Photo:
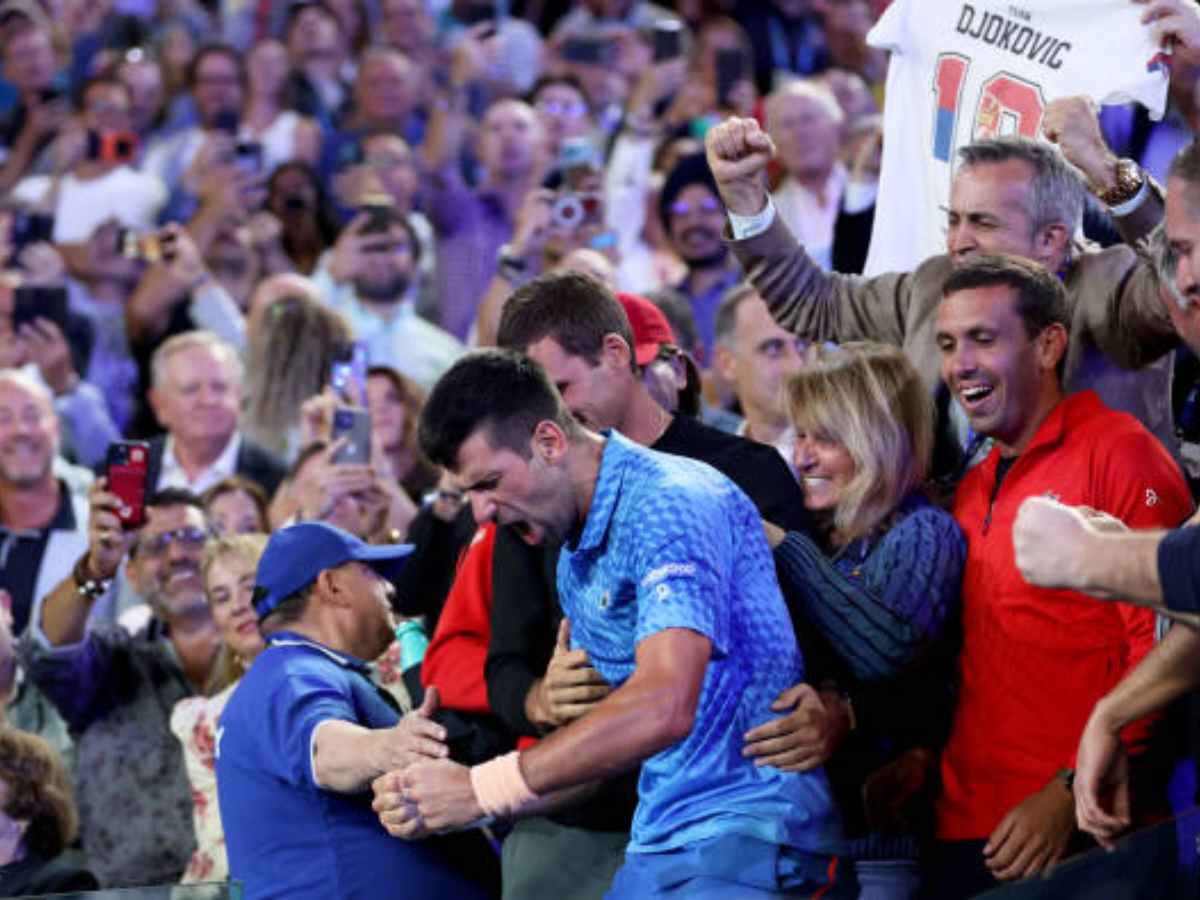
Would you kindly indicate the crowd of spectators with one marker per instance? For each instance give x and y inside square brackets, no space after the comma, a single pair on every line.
[247,239]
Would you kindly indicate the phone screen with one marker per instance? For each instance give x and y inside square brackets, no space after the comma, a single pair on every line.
[354,424]
[30,302]
[348,374]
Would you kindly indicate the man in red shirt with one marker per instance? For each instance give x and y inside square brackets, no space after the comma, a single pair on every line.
[1034,661]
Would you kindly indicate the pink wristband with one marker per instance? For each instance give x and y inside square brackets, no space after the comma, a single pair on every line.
[500,787]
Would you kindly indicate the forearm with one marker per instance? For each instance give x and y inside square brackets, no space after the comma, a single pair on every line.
[632,723]
[444,136]
[348,757]
[1122,566]
[1166,673]
[65,614]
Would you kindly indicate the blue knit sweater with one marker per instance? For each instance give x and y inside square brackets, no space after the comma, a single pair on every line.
[886,597]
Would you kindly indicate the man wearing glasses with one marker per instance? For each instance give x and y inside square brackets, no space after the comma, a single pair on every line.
[693,217]
[116,690]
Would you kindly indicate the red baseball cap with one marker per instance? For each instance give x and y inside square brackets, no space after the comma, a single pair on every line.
[650,327]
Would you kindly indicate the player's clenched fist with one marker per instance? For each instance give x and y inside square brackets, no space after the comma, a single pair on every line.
[738,151]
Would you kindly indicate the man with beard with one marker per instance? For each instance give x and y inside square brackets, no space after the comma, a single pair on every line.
[691,212]
[370,280]
[41,517]
[116,690]
[307,731]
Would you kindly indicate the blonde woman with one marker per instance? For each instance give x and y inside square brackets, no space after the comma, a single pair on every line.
[880,582]
[293,341]
[228,571]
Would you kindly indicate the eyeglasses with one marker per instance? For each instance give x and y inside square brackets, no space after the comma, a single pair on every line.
[707,205]
[455,498]
[190,537]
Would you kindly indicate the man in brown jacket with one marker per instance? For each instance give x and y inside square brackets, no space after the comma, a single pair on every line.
[1010,195]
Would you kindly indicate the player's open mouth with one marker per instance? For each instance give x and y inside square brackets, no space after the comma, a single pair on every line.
[530,534]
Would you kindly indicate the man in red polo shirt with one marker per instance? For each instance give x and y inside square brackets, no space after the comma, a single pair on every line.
[1034,661]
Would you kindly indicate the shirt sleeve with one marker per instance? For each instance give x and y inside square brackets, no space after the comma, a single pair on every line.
[301,702]
[682,578]
[1179,569]
[890,609]
[891,31]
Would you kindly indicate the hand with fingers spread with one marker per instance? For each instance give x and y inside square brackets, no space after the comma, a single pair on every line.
[1033,835]
[738,151]
[803,738]
[569,688]
[1101,781]
[417,737]
[324,483]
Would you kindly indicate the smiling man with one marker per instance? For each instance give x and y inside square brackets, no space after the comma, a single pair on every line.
[669,586]
[116,690]
[1006,809]
[1010,195]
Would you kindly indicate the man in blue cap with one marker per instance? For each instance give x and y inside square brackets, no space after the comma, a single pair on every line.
[306,731]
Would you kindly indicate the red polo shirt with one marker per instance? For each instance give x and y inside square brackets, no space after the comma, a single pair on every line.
[1035,661]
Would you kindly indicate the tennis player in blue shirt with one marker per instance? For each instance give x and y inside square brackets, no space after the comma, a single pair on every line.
[669,585]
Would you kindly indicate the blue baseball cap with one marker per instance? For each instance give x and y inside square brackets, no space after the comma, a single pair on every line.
[296,555]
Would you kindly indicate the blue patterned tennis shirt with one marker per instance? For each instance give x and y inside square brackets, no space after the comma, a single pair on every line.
[672,543]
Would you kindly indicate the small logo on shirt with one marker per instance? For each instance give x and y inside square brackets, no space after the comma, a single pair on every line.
[662,592]
[1151,497]
[667,571]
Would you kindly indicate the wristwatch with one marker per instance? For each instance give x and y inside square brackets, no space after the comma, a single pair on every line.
[86,587]
[1128,180]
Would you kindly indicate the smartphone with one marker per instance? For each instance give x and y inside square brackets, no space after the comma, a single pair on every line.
[30,302]
[127,469]
[30,228]
[379,216]
[248,157]
[348,374]
[354,424]
[112,146]
[668,40]
[590,51]
[731,68]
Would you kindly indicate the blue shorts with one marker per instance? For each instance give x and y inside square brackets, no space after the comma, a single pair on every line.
[734,866]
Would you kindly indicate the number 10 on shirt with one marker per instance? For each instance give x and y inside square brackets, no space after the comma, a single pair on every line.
[1007,104]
